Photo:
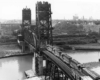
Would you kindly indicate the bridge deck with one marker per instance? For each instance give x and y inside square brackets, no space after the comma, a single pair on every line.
[61,64]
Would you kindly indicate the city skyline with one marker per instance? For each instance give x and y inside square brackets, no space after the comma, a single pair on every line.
[61,9]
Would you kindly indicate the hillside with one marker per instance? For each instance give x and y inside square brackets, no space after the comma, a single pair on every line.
[65,27]
[68,28]
[91,27]
[8,29]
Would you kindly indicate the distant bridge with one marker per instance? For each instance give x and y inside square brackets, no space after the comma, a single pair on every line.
[38,38]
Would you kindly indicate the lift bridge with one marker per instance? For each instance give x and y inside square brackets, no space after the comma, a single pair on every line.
[38,38]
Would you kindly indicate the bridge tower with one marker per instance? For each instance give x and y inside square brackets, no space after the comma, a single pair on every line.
[26,16]
[43,31]
[44,23]
[26,23]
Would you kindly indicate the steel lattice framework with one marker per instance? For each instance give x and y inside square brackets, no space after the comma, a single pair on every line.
[43,23]
[26,16]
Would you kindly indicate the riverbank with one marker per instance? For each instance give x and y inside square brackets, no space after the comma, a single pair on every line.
[92,46]
[82,47]
[9,50]
[94,67]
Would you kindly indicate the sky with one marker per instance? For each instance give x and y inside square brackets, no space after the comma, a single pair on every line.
[61,9]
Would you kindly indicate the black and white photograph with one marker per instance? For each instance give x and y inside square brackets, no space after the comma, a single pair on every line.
[49,39]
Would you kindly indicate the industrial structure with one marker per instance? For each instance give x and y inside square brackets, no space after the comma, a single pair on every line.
[58,66]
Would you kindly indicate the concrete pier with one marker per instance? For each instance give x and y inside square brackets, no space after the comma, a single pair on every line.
[39,65]
[23,46]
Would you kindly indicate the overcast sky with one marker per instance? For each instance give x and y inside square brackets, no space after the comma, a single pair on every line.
[12,9]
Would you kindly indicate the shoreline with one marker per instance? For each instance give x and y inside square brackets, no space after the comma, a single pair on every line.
[11,50]
[82,47]
[7,55]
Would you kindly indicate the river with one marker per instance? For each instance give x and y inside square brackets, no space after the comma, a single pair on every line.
[13,68]
[84,56]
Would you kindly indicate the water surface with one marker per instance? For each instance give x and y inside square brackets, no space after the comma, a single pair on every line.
[13,68]
[84,56]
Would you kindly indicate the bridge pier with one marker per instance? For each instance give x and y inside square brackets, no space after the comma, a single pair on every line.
[23,46]
[39,64]
[33,67]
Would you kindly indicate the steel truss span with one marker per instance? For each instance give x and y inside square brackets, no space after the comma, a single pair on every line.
[57,64]
[57,69]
